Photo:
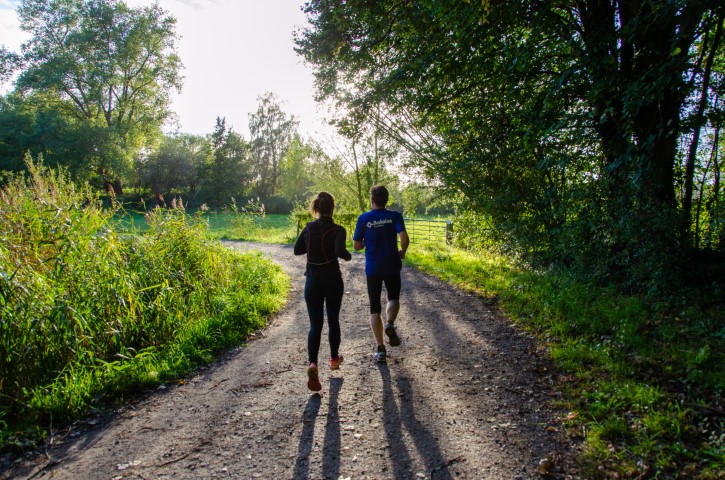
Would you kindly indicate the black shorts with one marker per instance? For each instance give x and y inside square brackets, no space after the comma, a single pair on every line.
[375,289]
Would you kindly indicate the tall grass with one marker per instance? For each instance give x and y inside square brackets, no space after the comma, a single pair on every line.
[88,314]
[644,386]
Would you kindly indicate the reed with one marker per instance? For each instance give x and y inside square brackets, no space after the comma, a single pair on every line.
[90,314]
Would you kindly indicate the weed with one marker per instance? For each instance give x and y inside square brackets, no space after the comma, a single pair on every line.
[648,382]
[90,314]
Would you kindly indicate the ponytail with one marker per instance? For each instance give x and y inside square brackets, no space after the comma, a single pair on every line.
[323,204]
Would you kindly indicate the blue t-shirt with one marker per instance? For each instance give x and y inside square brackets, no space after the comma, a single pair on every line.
[378,230]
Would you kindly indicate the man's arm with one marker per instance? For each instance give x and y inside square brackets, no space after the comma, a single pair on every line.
[358,245]
[404,242]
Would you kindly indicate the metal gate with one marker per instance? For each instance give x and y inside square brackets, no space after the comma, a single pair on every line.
[434,230]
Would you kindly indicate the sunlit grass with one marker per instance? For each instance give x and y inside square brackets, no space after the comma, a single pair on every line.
[91,314]
[642,384]
[226,225]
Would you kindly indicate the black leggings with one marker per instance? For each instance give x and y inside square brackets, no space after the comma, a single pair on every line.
[323,290]
[375,289]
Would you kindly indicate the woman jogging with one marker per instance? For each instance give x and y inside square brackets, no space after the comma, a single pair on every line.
[324,242]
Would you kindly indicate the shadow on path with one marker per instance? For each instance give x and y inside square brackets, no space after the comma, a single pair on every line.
[331,449]
[395,417]
[309,417]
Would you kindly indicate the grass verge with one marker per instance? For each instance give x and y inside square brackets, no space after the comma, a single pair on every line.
[644,386]
[90,315]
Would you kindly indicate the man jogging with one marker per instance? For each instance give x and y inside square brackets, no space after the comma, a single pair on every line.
[377,232]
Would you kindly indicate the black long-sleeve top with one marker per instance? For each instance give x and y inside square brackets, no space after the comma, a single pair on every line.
[324,242]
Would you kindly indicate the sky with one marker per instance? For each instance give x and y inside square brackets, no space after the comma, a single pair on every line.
[233,51]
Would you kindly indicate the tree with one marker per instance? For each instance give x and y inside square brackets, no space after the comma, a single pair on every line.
[108,67]
[560,122]
[229,170]
[176,166]
[272,130]
[30,124]
[369,157]
[297,170]
[349,175]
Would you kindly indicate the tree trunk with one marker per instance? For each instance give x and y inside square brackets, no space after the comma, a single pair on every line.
[698,121]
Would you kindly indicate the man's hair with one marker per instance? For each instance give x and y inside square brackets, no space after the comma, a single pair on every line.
[379,195]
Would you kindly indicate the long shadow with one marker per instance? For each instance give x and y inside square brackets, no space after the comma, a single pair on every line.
[509,379]
[331,448]
[399,456]
[425,442]
[302,464]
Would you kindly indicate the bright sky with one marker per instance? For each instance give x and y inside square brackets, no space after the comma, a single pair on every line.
[233,51]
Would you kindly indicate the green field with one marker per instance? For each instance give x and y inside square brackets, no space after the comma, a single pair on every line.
[274,228]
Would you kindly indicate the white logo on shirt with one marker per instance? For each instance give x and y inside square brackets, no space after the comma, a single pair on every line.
[379,223]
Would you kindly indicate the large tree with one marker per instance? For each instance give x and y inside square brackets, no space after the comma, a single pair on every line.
[176,166]
[107,67]
[272,130]
[559,121]
[229,168]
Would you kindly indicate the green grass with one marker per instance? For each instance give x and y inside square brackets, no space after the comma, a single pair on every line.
[96,304]
[227,225]
[91,314]
[644,386]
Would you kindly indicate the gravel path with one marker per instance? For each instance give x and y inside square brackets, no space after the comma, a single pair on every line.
[466,395]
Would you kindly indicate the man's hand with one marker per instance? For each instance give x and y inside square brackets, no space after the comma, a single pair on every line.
[404,242]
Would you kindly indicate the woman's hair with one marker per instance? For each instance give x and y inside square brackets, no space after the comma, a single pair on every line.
[323,204]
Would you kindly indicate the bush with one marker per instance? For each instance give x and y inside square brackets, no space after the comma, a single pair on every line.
[88,313]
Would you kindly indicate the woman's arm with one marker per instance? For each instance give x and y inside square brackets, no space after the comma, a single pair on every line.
[300,244]
[340,247]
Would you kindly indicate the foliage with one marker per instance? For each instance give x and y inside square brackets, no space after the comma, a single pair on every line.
[105,69]
[419,199]
[297,169]
[272,131]
[33,124]
[642,386]
[89,314]
[349,176]
[176,166]
[228,173]
[558,122]
[301,215]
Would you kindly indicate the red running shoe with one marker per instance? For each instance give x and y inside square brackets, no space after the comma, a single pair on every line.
[313,378]
[335,362]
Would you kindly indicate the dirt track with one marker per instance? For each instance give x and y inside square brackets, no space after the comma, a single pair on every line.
[466,395]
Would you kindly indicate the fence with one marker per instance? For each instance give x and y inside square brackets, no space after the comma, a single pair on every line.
[436,230]
[418,229]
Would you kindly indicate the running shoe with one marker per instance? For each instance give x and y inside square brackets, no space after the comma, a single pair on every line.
[335,362]
[313,378]
[393,337]
[381,356]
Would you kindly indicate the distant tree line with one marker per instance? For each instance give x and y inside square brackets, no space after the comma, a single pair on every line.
[91,94]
